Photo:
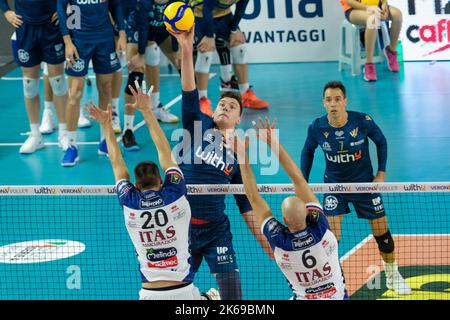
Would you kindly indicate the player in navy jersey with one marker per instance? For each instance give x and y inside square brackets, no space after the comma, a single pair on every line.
[38,39]
[88,35]
[218,29]
[206,160]
[306,250]
[156,213]
[344,138]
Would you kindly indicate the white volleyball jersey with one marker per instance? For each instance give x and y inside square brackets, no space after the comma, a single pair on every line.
[308,259]
[158,225]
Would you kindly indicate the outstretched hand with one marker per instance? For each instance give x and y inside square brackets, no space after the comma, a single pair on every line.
[266,130]
[141,96]
[239,147]
[103,117]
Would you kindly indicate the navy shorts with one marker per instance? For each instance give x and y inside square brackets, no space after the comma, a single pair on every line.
[367,206]
[103,55]
[160,34]
[214,243]
[37,43]
[347,14]
[222,29]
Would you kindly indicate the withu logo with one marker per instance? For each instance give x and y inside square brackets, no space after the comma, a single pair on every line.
[81,2]
[306,9]
[344,158]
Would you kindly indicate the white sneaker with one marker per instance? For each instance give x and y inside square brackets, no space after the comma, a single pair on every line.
[32,144]
[83,122]
[116,123]
[395,281]
[164,116]
[47,125]
[212,294]
[63,141]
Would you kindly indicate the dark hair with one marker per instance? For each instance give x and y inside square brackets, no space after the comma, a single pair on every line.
[147,175]
[334,85]
[233,95]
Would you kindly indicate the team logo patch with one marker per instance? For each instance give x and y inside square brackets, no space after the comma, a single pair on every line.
[326,134]
[354,132]
[331,203]
[79,65]
[175,178]
[339,133]
[23,55]
[368,118]
[326,146]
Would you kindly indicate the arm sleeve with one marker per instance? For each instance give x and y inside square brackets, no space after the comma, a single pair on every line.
[190,111]
[241,199]
[4,5]
[115,7]
[207,22]
[376,135]
[174,182]
[62,16]
[142,13]
[307,156]
[238,14]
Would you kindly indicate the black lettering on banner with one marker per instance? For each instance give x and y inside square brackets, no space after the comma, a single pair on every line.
[308,261]
[157,216]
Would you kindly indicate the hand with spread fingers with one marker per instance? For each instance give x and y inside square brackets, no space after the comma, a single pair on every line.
[103,117]
[141,96]
[266,130]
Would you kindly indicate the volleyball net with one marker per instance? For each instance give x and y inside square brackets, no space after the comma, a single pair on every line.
[70,242]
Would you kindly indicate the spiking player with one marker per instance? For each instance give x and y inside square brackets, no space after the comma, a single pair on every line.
[156,214]
[38,39]
[217,28]
[206,160]
[344,138]
[89,35]
[306,250]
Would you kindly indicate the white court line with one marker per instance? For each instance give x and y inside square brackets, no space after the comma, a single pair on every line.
[355,248]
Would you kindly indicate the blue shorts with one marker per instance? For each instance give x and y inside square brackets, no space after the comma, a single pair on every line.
[37,43]
[103,55]
[347,14]
[160,34]
[214,243]
[367,206]
[222,29]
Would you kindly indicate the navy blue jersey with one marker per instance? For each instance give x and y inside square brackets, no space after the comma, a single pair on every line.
[94,21]
[206,161]
[346,149]
[32,11]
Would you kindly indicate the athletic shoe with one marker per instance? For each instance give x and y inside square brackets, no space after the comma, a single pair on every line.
[395,281]
[47,125]
[116,123]
[205,106]
[392,60]
[32,144]
[212,294]
[164,115]
[370,73]
[231,85]
[63,141]
[70,157]
[83,122]
[250,100]
[103,148]
[129,141]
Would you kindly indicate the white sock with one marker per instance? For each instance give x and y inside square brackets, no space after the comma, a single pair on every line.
[243,87]
[115,105]
[49,105]
[390,268]
[203,93]
[62,128]
[72,137]
[226,72]
[35,129]
[155,99]
[129,122]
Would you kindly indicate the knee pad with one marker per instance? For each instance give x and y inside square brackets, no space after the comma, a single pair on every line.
[30,87]
[239,54]
[152,55]
[385,243]
[203,63]
[59,85]
[132,77]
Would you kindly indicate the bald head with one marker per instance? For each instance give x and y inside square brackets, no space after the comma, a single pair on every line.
[294,213]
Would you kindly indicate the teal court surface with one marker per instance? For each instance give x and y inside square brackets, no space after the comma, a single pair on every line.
[411,108]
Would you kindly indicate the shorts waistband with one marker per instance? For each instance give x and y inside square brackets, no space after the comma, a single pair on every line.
[178,286]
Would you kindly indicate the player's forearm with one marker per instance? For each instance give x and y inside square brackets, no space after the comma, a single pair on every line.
[207,22]
[159,138]
[61,8]
[115,8]
[238,14]
[115,156]
[254,225]
[187,69]
[142,25]
[259,205]
[4,6]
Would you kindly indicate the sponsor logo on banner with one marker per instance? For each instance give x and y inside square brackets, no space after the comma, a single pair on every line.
[194,189]
[39,251]
[44,190]
[414,187]
[340,187]
[4,190]
[436,188]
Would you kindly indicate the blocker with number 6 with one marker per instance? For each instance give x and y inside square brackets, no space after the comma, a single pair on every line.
[178,17]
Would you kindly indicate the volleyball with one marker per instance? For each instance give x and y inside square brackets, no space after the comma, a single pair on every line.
[178,17]
[372,2]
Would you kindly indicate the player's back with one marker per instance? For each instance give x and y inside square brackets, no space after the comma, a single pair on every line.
[308,259]
[158,225]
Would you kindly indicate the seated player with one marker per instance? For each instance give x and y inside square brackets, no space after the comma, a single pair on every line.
[359,13]
[157,213]
[306,250]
